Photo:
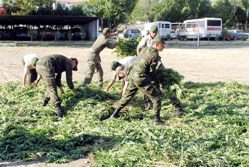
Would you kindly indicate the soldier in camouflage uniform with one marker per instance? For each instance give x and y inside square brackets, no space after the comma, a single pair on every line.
[50,68]
[141,77]
[94,57]
[147,41]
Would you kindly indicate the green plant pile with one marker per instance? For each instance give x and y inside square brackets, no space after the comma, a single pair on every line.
[127,47]
[170,82]
[213,132]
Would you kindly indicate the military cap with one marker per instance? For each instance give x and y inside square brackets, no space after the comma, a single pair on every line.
[154,29]
[76,61]
[159,40]
[114,65]
[34,60]
[106,31]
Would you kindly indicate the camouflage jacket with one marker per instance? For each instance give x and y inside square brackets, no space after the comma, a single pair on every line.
[58,64]
[98,46]
[144,69]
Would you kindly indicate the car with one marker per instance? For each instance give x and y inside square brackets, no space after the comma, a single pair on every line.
[77,33]
[130,33]
[230,37]
[21,33]
[47,34]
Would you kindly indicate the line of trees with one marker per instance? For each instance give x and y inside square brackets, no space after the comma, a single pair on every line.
[234,13]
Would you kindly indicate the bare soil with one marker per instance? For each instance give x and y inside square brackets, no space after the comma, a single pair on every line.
[196,64]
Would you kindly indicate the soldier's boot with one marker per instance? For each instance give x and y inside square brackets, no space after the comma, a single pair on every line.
[157,119]
[45,101]
[60,111]
[177,104]
[116,113]
[86,81]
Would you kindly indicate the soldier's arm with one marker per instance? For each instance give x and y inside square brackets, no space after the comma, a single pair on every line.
[69,76]
[113,80]
[58,80]
[25,74]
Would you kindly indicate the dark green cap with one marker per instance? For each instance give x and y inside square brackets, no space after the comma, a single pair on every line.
[34,60]
[159,39]
[114,65]
[154,29]
[106,31]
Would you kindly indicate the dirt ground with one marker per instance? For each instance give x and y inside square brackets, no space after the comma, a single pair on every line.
[202,64]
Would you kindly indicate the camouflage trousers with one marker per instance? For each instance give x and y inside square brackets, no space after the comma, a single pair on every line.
[147,88]
[92,66]
[48,75]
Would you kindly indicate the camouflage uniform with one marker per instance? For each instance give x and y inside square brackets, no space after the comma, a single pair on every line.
[141,77]
[94,59]
[48,67]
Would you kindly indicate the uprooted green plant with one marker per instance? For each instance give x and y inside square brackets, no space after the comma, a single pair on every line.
[213,131]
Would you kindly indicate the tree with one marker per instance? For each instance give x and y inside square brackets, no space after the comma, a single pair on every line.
[197,8]
[245,5]
[77,10]
[222,9]
[115,11]
[25,7]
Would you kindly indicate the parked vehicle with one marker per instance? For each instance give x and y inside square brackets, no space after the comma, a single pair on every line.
[203,28]
[21,33]
[164,28]
[230,37]
[78,33]
[47,34]
[130,33]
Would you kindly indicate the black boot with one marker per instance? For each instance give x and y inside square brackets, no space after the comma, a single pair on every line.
[157,120]
[177,104]
[60,111]
[45,101]
[116,113]
[179,111]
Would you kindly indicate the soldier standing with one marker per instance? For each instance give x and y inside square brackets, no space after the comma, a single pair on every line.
[141,77]
[94,57]
[50,68]
[147,41]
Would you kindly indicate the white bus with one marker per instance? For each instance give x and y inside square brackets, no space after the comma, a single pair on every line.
[203,28]
[164,28]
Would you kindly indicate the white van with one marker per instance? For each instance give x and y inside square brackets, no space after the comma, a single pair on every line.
[164,28]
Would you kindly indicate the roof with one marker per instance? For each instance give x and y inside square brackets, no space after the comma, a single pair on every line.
[46,20]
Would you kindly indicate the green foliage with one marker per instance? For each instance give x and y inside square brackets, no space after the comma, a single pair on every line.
[215,125]
[224,33]
[69,35]
[33,34]
[57,35]
[127,46]
[171,82]
[213,131]
[114,11]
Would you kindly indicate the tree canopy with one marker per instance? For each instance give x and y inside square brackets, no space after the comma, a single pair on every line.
[232,12]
